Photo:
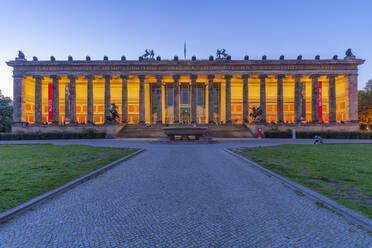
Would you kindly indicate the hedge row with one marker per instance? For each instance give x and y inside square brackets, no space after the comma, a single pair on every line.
[85,134]
[324,134]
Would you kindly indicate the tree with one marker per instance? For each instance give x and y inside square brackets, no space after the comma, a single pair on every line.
[365,104]
[6,113]
[368,87]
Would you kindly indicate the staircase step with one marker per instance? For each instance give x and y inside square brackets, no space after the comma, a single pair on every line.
[156,131]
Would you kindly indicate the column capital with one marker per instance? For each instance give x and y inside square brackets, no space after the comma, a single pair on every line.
[315,76]
[298,76]
[89,76]
[123,76]
[141,77]
[246,76]
[176,77]
[38,77]
[351,74]
[280,76]
[210,76]
[107,76]
[193,77]
[263,76]
[54,77]
[228,76]
[332,75]
[71,77]
[159,77]
[17,76]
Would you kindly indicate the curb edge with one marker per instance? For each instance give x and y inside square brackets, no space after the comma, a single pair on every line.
[65,187]
[349,214]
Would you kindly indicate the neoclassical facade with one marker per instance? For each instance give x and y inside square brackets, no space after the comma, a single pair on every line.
[213,91]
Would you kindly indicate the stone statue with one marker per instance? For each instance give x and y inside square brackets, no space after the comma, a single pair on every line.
[113,114]
[149,54]
[21,55]
[221,54]
[318,140]
[349,53]
[257,114]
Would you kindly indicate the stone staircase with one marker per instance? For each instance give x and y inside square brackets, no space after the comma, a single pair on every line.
[140,131]
[216,131]
[230,131]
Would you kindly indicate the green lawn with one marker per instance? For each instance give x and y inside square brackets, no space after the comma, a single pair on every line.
[27,171]
[342,172]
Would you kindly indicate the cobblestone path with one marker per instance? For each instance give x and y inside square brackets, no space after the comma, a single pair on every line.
[181,196]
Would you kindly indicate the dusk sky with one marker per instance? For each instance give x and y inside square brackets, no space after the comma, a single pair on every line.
[116,28]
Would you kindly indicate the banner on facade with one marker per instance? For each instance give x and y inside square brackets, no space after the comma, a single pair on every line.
[50,102]
[320,107]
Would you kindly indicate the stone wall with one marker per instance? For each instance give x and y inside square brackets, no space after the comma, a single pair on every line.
[110,129]
[347,126]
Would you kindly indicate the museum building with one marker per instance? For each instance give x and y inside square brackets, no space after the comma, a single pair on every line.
[195,91]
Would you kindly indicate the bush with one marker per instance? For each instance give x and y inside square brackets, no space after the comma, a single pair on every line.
[324,134]
[85,134]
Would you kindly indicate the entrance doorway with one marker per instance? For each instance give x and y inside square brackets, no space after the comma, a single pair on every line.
[185,104]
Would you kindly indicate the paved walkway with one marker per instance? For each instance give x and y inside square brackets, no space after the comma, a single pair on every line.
[181,196]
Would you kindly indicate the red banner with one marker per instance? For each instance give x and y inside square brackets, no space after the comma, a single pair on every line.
[320,107]
[50,102]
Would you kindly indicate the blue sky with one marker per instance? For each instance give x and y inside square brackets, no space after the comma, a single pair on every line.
[116,28]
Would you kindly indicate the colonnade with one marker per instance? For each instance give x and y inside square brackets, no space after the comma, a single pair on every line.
[299,97]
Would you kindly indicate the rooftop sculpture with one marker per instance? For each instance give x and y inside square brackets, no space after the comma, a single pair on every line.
[149,54]
[221,54]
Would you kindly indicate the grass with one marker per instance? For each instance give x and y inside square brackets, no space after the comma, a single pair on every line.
[27,171]
[342,172]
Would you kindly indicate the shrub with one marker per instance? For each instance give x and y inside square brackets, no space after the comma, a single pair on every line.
[324,134]
[85,134]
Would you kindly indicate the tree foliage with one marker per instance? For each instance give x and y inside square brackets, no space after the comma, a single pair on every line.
[365,104]
[6,112]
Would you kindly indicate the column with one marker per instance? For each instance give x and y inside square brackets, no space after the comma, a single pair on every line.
[72,99]
[17,98]
[280,98]
[245,98]
[90,98]
[210,99]
[263,95]
[124,99]
[332,98]
[298,98]
[38,103]
[159,116]
[353,97]
[303,101]
[67,102]
[228,98]
[193,98]
[55,99]
[314,101]
[142,99]
[107,95]
[176,99]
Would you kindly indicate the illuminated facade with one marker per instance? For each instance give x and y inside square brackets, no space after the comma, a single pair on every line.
[185,91]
